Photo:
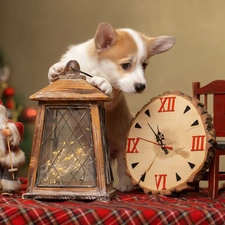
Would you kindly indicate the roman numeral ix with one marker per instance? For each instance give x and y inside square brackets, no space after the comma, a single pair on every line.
[132,145]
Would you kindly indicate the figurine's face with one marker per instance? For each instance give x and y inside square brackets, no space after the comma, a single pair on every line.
[3,117]
[4,74]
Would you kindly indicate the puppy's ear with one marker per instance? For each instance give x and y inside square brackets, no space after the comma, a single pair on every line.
[160,44]
[105,36]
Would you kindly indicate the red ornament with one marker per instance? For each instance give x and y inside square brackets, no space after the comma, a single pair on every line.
[10,104]
[9,91]
[29,114]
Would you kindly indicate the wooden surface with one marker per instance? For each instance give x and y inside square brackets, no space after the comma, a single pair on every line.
[70,89]
[214,87]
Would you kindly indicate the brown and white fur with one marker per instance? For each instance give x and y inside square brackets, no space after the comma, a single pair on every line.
[117,60]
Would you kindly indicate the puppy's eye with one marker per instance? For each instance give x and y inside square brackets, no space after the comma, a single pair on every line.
[126,66]
[144,65]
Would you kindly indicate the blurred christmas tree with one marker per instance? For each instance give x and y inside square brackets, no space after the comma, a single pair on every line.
[16,110]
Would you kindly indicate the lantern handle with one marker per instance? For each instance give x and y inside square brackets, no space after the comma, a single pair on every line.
[73,67]
[81,72]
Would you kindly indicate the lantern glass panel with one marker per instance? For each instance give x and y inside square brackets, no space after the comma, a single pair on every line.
[66,155]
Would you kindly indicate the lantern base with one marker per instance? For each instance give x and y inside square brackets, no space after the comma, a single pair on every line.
[71,196]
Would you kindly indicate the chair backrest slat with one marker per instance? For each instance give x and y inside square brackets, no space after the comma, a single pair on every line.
[217,90]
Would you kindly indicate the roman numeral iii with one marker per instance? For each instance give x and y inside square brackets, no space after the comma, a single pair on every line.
[198,143]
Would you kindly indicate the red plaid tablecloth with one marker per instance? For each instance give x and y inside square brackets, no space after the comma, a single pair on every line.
[125,208]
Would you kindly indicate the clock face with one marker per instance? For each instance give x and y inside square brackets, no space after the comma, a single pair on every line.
[167,144]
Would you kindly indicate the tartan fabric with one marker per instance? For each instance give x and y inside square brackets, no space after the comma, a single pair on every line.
[125,208]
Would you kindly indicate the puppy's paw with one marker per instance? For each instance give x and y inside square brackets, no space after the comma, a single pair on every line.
[102,84]
[125,188]
[54,71]
[125,184]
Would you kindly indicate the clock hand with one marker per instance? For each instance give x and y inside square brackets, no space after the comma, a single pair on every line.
[144,174]
[161,135]
[156,143]
[159,138]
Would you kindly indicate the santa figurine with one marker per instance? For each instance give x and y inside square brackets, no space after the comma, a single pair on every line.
[11,156]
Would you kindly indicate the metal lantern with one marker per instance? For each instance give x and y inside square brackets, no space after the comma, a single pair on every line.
[70,156]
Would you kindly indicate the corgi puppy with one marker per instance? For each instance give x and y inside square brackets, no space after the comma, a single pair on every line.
[117,59]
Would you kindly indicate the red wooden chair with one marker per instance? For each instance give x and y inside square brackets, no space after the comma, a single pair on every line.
[217,90]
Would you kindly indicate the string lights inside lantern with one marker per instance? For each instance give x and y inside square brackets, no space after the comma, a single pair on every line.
[70,155]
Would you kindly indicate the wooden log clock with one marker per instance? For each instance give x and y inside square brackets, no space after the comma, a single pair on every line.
[169,144]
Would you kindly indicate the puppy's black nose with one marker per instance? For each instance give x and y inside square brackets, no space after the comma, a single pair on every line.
[139,87]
